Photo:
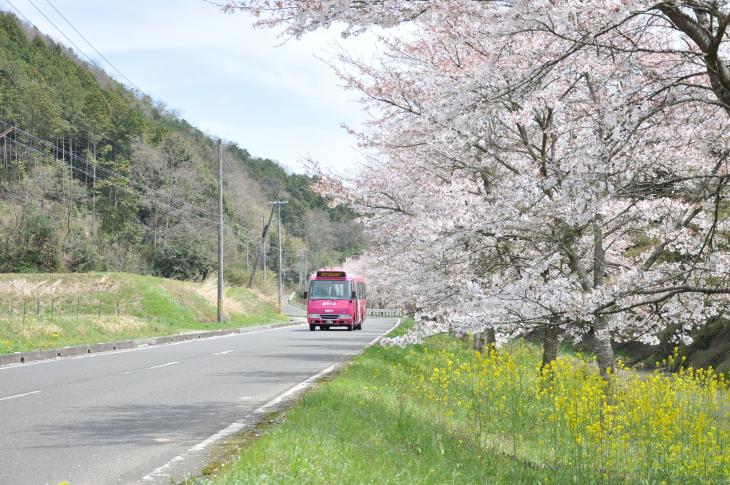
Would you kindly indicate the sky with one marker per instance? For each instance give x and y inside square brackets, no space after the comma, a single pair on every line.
[274,97]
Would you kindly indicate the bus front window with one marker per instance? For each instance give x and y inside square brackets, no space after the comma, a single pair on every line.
[330,290]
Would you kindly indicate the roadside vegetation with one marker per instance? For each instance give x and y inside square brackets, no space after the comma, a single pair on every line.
[442,413]
[96,177]
[39,311]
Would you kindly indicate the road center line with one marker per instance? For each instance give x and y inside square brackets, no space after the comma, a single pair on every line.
[145,348]
[152,367]
[223,353]
[163,474]
[19,395]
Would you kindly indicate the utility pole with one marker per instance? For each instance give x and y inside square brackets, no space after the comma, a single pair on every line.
[278,204]
[220,232]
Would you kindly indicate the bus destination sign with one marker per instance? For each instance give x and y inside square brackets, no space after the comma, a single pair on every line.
[330,274]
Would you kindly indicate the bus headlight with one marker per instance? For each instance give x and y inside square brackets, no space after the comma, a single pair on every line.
[313,315]
[345,315]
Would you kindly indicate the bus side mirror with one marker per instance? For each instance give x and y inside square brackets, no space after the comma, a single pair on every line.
[354,295]
[306,294]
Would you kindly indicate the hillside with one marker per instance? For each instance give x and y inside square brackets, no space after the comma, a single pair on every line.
[95,177]
[54,310]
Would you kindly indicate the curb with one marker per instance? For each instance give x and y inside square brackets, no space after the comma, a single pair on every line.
[17,358]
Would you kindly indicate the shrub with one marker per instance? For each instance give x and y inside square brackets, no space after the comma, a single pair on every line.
[81,252]
[236,276]
[182,260]
[34,244]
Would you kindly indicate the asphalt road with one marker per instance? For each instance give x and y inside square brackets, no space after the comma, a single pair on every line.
[117,417]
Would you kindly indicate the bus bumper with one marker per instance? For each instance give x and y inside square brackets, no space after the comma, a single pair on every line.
[338,321]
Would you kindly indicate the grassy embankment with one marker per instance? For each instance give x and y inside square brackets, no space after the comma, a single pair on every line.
[439,413]
[40,311]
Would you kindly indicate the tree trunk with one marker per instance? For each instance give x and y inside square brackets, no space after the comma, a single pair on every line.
[154,229]
[602,331]
[252,275]
[479,342]
[93,192]
[70,178]
[553,337]
[490,339]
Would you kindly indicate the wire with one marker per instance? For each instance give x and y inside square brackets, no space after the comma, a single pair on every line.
[73,157]
[149,198]
[59,31]
[79,159]
[93,47]
[140,93]
[22,15]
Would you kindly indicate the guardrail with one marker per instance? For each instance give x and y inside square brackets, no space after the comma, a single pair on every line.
[385,312]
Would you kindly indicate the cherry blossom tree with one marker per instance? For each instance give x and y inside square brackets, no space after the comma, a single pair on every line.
[540,165]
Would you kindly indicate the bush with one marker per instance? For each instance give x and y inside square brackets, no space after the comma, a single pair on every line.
[34,245]
[236,276]
[81,253]
[183,260]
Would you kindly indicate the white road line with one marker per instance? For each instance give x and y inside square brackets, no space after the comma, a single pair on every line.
[138,349]
[377,339]
[152,367]
[163,474]
[223,353]
[19,395]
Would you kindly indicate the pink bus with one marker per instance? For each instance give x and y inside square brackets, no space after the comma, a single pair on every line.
[336,298]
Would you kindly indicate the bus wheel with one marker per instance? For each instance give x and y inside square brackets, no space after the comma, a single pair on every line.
[312,327]
[350,328]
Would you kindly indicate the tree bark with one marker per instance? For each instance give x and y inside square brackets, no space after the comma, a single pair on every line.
[708,42]
[551,343]
[490,339]
[601,327]
[479,341]
[93,193]
[252,275]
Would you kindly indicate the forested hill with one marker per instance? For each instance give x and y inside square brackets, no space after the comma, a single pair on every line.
[97,177]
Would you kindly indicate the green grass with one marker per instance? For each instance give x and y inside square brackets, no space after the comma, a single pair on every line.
[355,428]
[441,413]
[39,311]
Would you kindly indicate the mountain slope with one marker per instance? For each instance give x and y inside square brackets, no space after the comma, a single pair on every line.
[97,177]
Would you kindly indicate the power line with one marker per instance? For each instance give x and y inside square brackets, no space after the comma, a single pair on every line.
[111,173]
[22,15]
[147,197]
[93,47]
[80,51]
[59,31]
[89,59]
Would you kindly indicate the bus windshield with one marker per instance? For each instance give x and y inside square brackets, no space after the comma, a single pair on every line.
[330,290]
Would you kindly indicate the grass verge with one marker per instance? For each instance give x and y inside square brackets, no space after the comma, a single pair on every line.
[440,413]
[40,311]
